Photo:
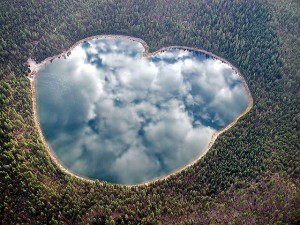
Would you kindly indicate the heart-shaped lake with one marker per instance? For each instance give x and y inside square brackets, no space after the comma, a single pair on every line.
[111,113]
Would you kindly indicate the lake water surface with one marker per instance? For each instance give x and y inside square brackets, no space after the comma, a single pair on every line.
[111,114]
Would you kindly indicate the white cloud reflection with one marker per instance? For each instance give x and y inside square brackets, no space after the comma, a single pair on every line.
[112,115]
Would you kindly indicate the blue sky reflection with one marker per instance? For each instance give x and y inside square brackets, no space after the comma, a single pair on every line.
[111,114]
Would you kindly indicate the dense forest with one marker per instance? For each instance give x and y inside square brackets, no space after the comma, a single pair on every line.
[251,174]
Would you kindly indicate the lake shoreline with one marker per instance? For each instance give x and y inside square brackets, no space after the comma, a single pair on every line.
[34,68]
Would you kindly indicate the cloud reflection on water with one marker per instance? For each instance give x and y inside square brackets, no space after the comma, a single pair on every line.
[110,114]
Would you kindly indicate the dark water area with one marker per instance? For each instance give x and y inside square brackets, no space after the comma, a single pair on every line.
[110,114]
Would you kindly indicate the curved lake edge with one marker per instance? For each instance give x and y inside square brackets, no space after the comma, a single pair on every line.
[34,68]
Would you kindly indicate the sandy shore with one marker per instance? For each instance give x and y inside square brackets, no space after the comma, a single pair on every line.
[34,68]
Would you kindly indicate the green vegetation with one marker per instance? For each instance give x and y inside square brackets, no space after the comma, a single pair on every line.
[250,176]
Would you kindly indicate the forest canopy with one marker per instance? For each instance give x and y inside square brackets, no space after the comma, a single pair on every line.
[251,174]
